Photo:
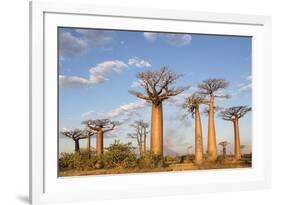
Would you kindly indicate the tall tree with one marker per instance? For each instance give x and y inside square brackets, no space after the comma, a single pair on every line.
[157,89]
[140,135]
[233,114]
[224,144]
[192,104]
[88,133]
[75,135]
[211,88]
[100,126]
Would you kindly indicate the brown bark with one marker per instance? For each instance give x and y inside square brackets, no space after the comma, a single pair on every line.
[156,144]
[198,137]
[236,139]
[224,151]
[144,140]
[89,146]
[212,144]
[77,146]
[99,142]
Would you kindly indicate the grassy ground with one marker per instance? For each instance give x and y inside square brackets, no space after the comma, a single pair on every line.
[172,166]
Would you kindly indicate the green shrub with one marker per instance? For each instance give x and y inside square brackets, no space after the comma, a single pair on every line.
[70,161]
[119,155]
[150,160]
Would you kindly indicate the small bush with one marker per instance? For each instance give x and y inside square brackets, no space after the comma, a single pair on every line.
[70,161]
[119,155]
[150,160]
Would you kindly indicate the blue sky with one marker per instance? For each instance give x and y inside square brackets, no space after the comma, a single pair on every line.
[98,67]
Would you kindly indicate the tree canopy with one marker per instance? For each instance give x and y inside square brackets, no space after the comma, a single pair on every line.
[74,134]
[104,124]
[212,86]
[232,113]
[157,85]
[192,102]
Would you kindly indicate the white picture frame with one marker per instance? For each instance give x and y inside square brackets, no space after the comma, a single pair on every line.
[46,187]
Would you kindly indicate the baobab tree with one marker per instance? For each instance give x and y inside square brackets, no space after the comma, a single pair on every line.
[192,104]
[88,133]
[75,135]
[100,126]
[224,144]
[211,88]
[140,135]
[233,114]
[157,89]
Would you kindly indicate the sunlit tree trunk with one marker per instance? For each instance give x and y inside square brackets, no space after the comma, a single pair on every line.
[212,145]
[237,140]
[156,144]
[77,146]
[198,137]
[99,142]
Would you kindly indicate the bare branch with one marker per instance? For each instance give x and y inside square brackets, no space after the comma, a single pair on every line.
[140,95]
[211,86]
[74,134]
[101,124]
[156,84]
[192,103]
[234,113]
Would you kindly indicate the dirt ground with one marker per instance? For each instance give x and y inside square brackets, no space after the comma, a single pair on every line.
[185,166]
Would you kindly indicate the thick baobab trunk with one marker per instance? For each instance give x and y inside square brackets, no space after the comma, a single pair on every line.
[156,144]
[99,142]
[237,140]
[212,144]
[89,146]
[77,147]
[198,137]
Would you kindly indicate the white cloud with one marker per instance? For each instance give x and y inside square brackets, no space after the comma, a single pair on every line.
[95,37]
[126,110]
[177,39]
[136,84]
[171,38]
[244,87]
[150,36]
[70,45]
[99,72]
[135,61]
[72,81]
[87,115]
